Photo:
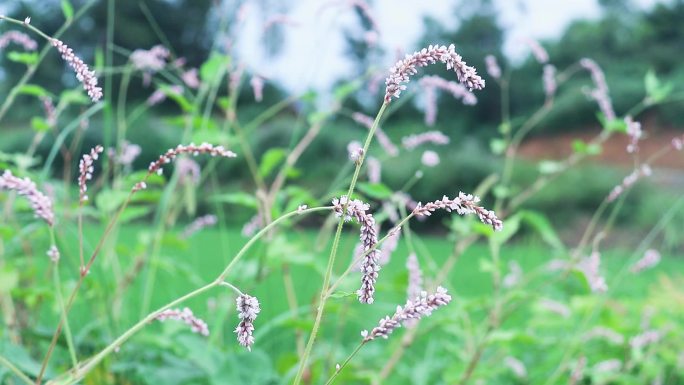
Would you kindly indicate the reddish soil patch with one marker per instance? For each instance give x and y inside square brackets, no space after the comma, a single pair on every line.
[614,150]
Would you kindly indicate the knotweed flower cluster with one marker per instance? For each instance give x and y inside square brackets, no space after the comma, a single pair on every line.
[608,366]
[83,74]
[151,60]
[160,94]
[86,168]
[355,150]
[651,258]
[606,334]
[248,308]
[129,152]
[374,169]
[53,253]
[415,309]
[400,73]
[600,93]
[678,143]
[50,113]
[549,79]
[538,51]
[198,224]
[40,203]
[514,275]
[252,226]
[464,204]
[415,277]
[430,86]
[191,78]
[196,325]
[555,307]
[189,171]
[429,158]
[629,181]
[171,154]
[644,339]
[355,209]
[590,267]
[414,140]
[257,83]
[516,366]
[383,139]
[19,38]
[635,134]
[493,68]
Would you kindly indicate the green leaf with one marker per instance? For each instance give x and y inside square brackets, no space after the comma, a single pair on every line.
[316,117]
[504,128]
[581,147]
[346,89]
[497,145]
[543,227]
[28,58]
[33,90]
[75,96]
[213,69]
[39,124]
[549,167]
[270,160]
[375,190]
[181,100]
[238,198]
[107,201]
[67,10]
[656,92]
[135,212]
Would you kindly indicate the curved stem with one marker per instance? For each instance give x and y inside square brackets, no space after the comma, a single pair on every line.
[333,253]
[346,361]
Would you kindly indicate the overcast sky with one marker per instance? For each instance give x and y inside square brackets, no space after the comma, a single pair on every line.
[313,55]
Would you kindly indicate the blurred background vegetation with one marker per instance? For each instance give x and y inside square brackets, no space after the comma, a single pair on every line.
[626,41]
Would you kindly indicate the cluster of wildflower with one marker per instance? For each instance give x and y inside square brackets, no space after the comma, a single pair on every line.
[549,79]
[191,78]
[129,152]
[53,253]
[678,143]
[415,309]
[196,325]
[590,267]
[257,83]
[252,226]
[604,333]
[171,154]
[18,37]
[644,339]
[247,308]
[651,258]
[83,73]
[383,139]
[464,204]
[151,60]
[555,307]
[355,151]
[514,275]
[198,224]
[400,73]
[493,68]
[635,134]
[188,171]
[538,51]
[600,93]
[430,86]
[160,94]
[415,277]
[40,203]
[50,112]
[86,168]
[629,181]
[414,140]
[429,158]
[516,366]
[374,169]
[355,209]
[578,371]
[367,13]
[608,366]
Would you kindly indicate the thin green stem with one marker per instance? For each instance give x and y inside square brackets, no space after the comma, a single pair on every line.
[17,372]
[346,361]
[65,319]
[333,252]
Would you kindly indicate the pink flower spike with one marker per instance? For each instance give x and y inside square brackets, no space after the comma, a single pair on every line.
[86,168]
[19,38]
[248,309]
[401,72]
[464,204]
[196,325]
[40,203]
[83,73]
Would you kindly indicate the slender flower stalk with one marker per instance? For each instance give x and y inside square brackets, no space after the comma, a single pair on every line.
[370,266]
[400,73]
[464,204]
[415,309]
[86,168]
[186,316]
[248,309]
[40,203]
[83,73]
